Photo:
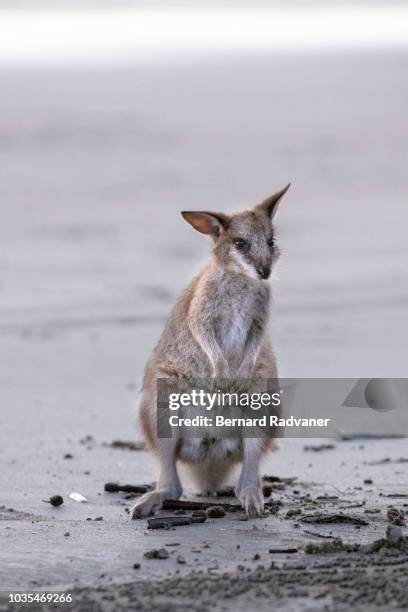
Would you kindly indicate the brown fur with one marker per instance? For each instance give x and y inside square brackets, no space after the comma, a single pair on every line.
[216,332]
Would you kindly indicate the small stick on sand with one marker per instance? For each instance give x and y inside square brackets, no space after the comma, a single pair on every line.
[179,504]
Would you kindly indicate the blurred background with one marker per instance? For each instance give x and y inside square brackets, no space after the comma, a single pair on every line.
[114,116]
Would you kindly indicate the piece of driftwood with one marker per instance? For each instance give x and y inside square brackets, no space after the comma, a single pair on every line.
[278,479]
[128,445]
[396,495]
[166,522]
[114,487]
[181,504]
[327,519]
[286,551]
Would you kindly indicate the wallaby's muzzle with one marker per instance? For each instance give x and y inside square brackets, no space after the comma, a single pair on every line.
[264,271]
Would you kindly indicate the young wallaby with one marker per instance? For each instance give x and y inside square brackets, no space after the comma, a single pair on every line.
[217,331]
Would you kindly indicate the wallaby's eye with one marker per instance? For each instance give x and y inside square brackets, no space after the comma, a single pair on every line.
[271,243]
[241,244]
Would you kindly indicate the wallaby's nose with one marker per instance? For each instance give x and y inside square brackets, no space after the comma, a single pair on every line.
[264,271]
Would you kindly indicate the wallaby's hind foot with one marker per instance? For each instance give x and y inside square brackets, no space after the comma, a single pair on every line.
[249,490]
[252,501]
[152,501]
[168,484]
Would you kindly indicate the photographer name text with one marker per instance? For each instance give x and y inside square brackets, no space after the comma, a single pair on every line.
[264,421]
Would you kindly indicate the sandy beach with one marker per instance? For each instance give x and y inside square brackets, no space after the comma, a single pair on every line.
[95,166]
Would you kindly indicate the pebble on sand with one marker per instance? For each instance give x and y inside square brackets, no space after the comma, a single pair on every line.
[156,553]
[215,512]
[55,500]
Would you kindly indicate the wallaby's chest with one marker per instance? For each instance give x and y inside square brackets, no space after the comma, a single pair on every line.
[232,328]
[240,307]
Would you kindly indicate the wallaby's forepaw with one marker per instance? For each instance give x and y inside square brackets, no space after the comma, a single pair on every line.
[150,502]
[252,500]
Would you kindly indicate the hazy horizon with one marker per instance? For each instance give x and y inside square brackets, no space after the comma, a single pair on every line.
[133,33]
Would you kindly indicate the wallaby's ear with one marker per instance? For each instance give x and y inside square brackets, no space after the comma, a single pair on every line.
[270,205]
[209,223]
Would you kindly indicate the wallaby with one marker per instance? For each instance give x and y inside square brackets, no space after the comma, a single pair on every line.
[217,330]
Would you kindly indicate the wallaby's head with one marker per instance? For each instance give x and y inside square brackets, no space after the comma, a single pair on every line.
[243,240]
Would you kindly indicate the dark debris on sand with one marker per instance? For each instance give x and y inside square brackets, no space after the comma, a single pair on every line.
[337,582]
[127,445]
[328,519]
[114,487]
[156,553]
